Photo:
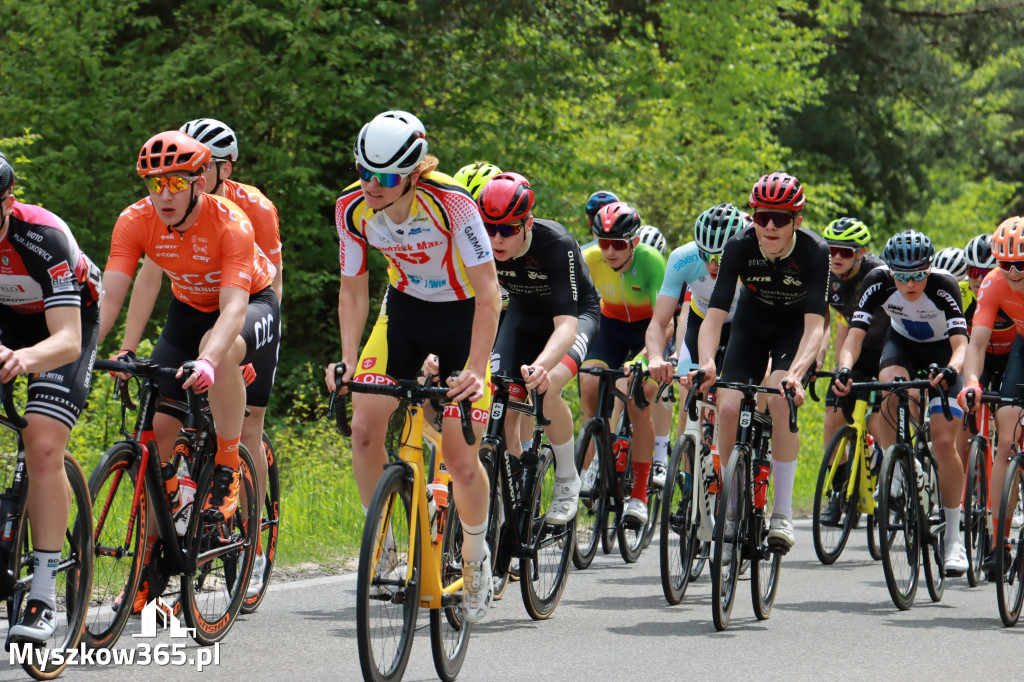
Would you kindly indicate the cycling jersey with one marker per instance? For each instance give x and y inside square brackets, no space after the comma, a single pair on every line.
[218,250]
[629,294]
[1004,331]
[793,285]
[428,253]
[935,315]
[261,213]
[844,294]
[686,271]
[41,265]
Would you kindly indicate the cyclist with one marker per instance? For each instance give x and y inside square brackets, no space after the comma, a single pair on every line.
[552,316]
[780,317]
[927,326]
[442,298]
[595,202]
[49,319]
[652,236]
[474,176]
[847,240]
[627,275]
[952,260]
[224,311]
[1001,293]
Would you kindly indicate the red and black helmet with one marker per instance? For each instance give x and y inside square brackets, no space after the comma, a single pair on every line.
[617,220]
[506,198]
[778,191]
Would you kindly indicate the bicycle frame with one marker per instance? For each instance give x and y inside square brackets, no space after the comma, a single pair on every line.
[703,513]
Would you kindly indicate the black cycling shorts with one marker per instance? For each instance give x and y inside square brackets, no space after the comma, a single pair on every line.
[917,356]
[617,342]
[523,335]
[1013,373]
[60,393]
[757,337]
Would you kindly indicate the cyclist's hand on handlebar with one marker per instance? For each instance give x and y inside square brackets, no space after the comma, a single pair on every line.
[467,386]
[945,376]
[842,384]
[332,386]
[710,376]
[661,370]
[794,382]
[122,356]
[11,363]
[202,377]
[431,365]
[536,378]
[971,387]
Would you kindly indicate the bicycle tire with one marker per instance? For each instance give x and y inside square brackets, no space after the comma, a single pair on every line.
[74,581]
[609,518]
[488,459]
[655,495]
[898,527]
[542,579]
[386,621]
[270,526]
[724,577]
[975,516]
[631,535]
[1010,580]
[765,572]
[118,556]
[212,594]
[934,548]
[873,549]
[830,540]
[449,630]
[589,513]
[701,556]
[677,531]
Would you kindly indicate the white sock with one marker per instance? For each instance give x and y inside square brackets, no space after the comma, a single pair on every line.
[474,542]
[44,577]
[784,474]
[527,444]
[565,460]
[952,525]
[661,449]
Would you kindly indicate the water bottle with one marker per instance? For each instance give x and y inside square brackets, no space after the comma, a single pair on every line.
[923,486]
[437,507]
[762,469]
[515,472]
[707,471]
[620,448]
[874,455]
[184,503]
[9,518]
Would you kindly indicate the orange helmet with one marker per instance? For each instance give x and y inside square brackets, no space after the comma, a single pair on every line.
[1008,241]
[172,151]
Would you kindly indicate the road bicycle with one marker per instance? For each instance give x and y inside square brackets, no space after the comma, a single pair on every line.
[75,571]
[270,526]
[909,515]
[978,498]
[600,516]
[403,522]
[745,506]
[847,479]
[521,492]
[213,558]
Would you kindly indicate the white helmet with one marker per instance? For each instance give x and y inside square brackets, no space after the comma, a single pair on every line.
[652,236]
[393,142]
[952,259]
[217,136]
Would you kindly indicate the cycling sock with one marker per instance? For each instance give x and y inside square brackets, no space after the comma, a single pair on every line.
[227,452]
[641,473]
[952,525]
[474,542]
[785,475]
[565,460]
[527,444]
[44,577]
[661,449]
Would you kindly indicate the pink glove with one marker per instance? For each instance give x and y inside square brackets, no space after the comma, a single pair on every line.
[971,386]
[203,370]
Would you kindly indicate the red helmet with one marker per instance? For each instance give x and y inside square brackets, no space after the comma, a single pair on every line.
[778,190]
[617,220]
[172,151]
[506,198]
[1008,241]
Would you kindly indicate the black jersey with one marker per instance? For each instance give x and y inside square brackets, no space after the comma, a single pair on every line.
[793,285]
[937,314]
[844,294]
[41,265]
[550,279]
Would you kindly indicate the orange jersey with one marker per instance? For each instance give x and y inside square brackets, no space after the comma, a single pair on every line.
[996,294]
[219,249]
[262,214]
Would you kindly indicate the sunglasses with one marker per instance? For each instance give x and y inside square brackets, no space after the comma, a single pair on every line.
[841,251]
[1007,266]
[505,231]
[613,244]
[778,218]
[710,258]
[388,180]
[175,184]
[977,273]
[908,277]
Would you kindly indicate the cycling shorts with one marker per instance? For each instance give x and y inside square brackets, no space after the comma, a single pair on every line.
[522,337]
[184,330]
[754,339]
[617,342]
[60,393]
[916,356]
[693,323]
[409,329]
[1013,373]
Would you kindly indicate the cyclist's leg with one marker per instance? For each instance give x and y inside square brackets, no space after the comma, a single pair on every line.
[897,361]
[746,360]
[1007,422]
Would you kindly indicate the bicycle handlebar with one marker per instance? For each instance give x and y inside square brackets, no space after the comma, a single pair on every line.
[901,384]
[748,390]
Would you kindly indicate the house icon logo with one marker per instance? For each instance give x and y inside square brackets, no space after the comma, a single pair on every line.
[159,609]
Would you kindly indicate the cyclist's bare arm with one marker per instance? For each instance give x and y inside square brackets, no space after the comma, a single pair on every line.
[657,331]
[958,342]
[63,345]
[707,344]
[115,288]
[826,339]
[974,362]
[141,302]
[353,309]
[484,280]
[233,303]
[848,356]
[278,283]
[806,354]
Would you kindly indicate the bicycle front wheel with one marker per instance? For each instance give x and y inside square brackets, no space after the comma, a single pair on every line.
[835,505]
[898,526]
[976,537]
[74,577]
[730,529]
[449,631]
[1010,545]
[223,554]
[542,579]
[677,538]
[933,535]
[592,502]
[270,526]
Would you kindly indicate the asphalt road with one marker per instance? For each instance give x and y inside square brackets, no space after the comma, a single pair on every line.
[613,623]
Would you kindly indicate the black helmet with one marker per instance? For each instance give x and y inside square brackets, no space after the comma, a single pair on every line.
[6,175]
[908,251]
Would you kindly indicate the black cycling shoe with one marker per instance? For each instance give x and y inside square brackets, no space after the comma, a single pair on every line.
[988,566]
[832,513]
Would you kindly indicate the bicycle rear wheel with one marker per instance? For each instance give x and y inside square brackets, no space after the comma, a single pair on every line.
[270,526]
[592,501]
[117,562]
[542,579]
[898,527]
[730,528]
[488,459]
[631,535]
[655,495]
[833,496]
[976,537]
[449,631]
[387,591]
[767,565]
[212,594]
[1009,546]
[933,535]
[873,549]
[677,531]
[74,577]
